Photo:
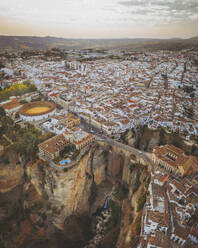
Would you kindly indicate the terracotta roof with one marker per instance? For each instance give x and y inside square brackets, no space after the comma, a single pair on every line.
[175,157]
[132,106]
[179,186]
[88,137]
[11,105]
[163,178]
[54,94]
[54,144]
[180,231]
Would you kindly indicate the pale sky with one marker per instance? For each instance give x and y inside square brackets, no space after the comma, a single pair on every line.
[100,18]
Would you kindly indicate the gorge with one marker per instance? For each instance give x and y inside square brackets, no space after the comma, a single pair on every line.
[45,207]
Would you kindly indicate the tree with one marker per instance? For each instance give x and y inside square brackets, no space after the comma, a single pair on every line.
[189,111]
[162,137]
[27,144]
[192,95]
[194,150]
[188,89]
[17,115]
[141,202]
[17,90]
[2,112]
[1,66]
[23,101]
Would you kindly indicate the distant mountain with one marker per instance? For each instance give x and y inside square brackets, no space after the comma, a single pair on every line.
[31,42]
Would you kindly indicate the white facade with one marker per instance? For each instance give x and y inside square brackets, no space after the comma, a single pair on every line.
[75,65]
[37,117]
[9,111]
[193,238]
[177,239]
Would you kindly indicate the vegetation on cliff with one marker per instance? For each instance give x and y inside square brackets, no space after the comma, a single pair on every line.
[115,214]
[121,192]
[69,151]
[146,139]
[141,201]
[23,141]
[40,210]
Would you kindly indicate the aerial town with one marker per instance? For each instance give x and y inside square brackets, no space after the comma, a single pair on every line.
[93,95]
[99,124]
[171,201]
[154,89]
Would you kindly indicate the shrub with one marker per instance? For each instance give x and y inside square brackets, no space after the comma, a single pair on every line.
[137,183]
[115,215]
[38,204]
[138,223]
[16,89]
[122,192]
[141,202]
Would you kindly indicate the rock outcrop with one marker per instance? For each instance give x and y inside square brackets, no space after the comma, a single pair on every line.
[47,202]
[10,177]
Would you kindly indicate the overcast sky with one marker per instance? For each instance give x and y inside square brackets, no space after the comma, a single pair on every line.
[100,18]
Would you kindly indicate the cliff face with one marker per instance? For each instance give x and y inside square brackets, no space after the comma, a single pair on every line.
[46,199]
[11,189]
[147,139]
[45,204]
[11,176]
[143,138]
[98,164]
[69,190]
[136,176]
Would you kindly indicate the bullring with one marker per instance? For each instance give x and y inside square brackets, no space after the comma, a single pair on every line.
[36,111]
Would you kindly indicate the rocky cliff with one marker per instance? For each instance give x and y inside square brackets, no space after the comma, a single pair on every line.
[146,139]
[44,207]
[11,176]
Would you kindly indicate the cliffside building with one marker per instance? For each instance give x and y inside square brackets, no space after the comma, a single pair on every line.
[81,139]
[174,160]
[52,147]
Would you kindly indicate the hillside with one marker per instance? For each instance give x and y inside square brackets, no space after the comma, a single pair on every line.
[12,43]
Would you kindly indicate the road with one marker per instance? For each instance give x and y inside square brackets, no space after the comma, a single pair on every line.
[91,129]
[101,135]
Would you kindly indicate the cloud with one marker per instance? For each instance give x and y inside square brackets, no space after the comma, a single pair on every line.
[159,11]
[99,15]
[194,17]
[187,5]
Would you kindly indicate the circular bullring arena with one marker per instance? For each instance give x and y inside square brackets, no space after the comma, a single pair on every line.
[36,111]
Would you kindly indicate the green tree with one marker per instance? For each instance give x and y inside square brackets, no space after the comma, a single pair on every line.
[2,112]
[17,115]
[188,89]
[192,95]
[141,202]
[162,137]
[23,101]
[28,145]
[1,66]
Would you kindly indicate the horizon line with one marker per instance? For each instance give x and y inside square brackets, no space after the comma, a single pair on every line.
[114,38]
